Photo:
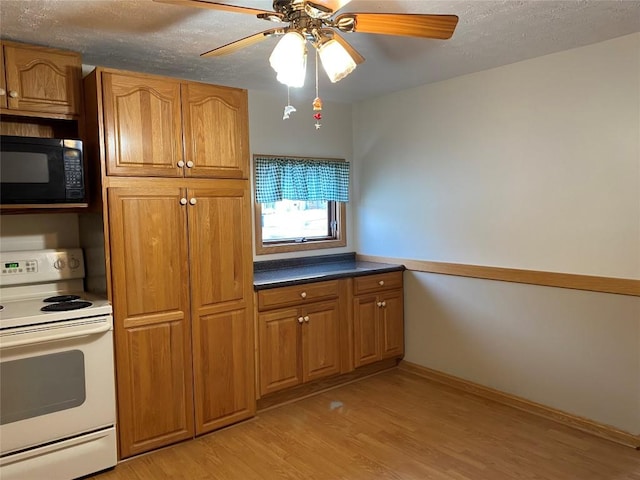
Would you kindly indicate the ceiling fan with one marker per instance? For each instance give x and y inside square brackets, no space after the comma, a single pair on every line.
[319,22]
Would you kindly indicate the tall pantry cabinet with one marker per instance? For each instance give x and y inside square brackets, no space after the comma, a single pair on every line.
[176,202]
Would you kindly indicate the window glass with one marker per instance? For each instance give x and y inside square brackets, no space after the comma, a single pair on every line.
[295,220]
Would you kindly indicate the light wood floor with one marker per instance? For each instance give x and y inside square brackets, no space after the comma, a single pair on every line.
[390,426]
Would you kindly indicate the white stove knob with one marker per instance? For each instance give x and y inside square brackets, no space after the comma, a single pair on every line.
[74,263]
[59,264]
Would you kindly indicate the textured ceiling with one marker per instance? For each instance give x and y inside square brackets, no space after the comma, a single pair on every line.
[142,35]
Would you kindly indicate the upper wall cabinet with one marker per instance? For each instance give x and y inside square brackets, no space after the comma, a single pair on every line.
[40,82]
[163,127]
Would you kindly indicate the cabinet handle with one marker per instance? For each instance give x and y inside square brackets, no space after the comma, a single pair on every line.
[183,201]
[303,294]
[306,318]
[384,304]
[379,304]
[13,94]
[381,282]
[300,319]
[189,164]
[181,164]
[3,92]
[193,201]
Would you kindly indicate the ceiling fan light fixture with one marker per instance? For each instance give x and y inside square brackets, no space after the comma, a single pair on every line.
[289,59]
[336,60]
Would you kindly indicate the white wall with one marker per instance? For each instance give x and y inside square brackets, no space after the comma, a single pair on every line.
[297,136]
[534,165]
[572,350]
[35,232]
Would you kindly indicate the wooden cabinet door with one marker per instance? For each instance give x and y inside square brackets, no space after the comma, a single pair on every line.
[142,125]
[223,369]
[42,80]
[221,292]
[149,265]
[279,350]
[392,324]
[366,330]
[320,341]
[3,84]
[215,131]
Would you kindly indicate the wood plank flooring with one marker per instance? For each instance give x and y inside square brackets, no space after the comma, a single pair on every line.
[394,425]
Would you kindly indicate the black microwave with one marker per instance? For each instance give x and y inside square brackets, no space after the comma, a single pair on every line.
[41,170]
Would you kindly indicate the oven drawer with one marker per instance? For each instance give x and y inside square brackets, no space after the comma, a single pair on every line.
[70,458]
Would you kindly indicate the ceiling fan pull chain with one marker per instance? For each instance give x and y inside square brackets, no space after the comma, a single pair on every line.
[289,109]
[317,102]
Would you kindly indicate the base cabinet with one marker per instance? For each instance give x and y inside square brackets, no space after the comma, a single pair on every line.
[323,329]
[181,281]
[378,318]
[298,345]
[299,336]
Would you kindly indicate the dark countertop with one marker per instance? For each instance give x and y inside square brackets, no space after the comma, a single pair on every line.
[297,271]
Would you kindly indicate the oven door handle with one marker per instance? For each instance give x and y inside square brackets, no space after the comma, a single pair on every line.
[29,340]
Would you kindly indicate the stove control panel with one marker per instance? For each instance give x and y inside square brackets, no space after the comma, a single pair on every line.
[35,266]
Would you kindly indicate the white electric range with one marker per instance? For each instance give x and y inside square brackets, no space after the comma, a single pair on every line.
[57,405]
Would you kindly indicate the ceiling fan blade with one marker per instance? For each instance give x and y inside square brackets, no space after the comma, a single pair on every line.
[409,24]
[352,51]
[242,43]
[214,6]
[334,5]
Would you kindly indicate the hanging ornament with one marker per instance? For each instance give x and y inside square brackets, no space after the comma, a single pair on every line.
[317,102]
[288,109]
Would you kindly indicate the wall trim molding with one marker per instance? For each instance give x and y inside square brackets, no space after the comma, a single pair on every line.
[574,421]
[620,286]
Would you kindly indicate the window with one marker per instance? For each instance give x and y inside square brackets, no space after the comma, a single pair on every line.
[300,203]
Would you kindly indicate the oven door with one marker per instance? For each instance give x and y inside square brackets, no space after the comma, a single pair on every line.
[56,381]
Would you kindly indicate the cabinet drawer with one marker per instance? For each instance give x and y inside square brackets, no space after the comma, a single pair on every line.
[297,294]
[376,283]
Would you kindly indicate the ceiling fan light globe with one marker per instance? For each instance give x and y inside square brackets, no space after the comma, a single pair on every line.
[289,59]
[336,61]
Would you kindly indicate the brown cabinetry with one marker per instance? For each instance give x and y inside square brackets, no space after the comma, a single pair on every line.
[178,252]
[39,82]
[300,342]
[181,272]
[378,318]
[171,128]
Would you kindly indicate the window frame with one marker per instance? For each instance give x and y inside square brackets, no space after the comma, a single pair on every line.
[337,211]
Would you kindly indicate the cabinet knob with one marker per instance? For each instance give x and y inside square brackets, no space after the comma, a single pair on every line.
[181,164]
[300,319]
[379,304]
[384,304]
[381,282]
[183,201]
[189,164]
[13,94]
[3,92]
[193,201]
[306,318]
[303,294]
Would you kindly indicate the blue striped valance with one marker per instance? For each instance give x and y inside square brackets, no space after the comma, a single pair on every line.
[282,178]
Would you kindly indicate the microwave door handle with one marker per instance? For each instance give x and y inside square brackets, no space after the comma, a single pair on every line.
[17,342]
